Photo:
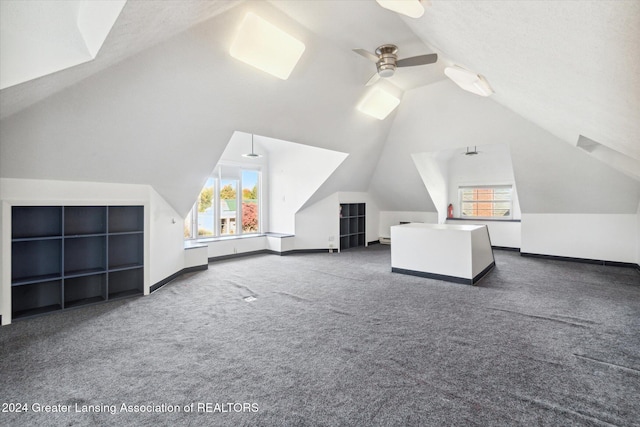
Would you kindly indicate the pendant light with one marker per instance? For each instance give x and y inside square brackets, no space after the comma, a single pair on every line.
[252,154]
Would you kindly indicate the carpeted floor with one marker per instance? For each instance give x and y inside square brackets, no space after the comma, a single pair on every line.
[337,339]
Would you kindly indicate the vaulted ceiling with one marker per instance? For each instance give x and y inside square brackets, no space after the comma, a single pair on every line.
[162,98]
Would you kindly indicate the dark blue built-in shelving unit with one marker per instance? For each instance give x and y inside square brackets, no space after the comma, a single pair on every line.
[69,256]
[352,225]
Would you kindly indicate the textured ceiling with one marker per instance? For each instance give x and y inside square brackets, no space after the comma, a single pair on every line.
[572,67]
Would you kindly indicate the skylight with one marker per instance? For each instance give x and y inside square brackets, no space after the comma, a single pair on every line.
[266,47]
[378,103]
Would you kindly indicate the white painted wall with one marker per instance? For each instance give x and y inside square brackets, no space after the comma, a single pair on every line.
[551,176]
[163,245]
[491,166]
[196,257]
[296,171]
[318,223]
[433,170]
[506,234]
[166,239]
[390,218]
[235,246]
[638,246]
[610,237]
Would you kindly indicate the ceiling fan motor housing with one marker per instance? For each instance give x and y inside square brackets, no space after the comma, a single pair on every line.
[387,63]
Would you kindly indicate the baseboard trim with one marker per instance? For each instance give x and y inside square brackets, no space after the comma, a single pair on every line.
[375,242]
[175,275]
[582,260]
[444,277]
[506,248]
[239,255]
[269,251]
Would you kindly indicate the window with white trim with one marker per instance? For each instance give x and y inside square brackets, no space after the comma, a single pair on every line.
[486,202]
[229,204]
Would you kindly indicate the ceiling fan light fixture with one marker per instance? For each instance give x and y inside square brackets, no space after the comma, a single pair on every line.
[252,154]
[469,81]
[378,103]
[266,47]
[410,8]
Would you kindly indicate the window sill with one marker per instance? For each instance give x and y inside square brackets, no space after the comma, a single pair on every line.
[484,219]
[223,238]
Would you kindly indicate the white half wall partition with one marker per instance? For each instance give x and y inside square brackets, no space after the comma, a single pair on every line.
[454,253]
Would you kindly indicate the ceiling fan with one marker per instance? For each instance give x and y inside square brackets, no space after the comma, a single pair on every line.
[387,61]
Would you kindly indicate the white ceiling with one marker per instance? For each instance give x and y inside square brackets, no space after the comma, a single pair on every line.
[572,67]
[163,81]
[141,24]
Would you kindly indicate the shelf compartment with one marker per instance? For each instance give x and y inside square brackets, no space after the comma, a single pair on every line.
[126,250]
[83,220]
[84,255]
[36,221]
[125,283]
[36,298]
[33,260]
[85,290]
[124,219]
[344,243]
[353,225]
[344,226]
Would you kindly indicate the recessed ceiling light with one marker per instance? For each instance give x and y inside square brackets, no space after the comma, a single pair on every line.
[468,80]
[410,8]
[266,47]
[378,103]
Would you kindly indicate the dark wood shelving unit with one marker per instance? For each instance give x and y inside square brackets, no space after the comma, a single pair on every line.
[352,225]
[69,256]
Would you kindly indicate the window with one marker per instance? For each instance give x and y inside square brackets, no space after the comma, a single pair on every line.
[206,214]
[488,202]
[250,201]
[228,206]
[231,194]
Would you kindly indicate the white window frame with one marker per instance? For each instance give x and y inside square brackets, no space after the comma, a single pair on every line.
[218,176]
[461,188]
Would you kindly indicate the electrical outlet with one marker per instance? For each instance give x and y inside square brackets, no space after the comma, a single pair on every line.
[331,238]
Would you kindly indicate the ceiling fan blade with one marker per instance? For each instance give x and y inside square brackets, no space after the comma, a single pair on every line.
[366,54]
[417,60]
[373,79]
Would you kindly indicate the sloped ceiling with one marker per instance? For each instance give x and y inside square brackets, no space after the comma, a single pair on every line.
[571,67]
[161,100]
[141,24]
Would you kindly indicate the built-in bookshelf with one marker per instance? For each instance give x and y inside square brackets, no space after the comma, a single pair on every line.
[69,256]
[352,225]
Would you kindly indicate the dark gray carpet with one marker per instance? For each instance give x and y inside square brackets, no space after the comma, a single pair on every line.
[337,339]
